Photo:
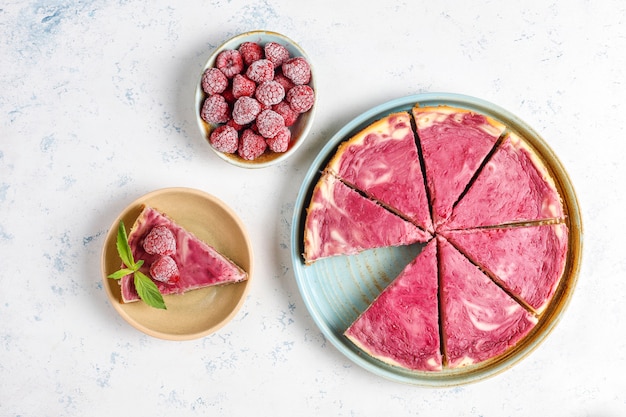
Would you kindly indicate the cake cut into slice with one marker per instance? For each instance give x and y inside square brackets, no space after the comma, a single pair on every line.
[454,143]
[401,326]
[382,161]
[514,186]
[479,320]
[199,264]
[528,261]
[341,221]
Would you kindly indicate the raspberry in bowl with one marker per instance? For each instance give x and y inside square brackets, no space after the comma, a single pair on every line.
[256,99]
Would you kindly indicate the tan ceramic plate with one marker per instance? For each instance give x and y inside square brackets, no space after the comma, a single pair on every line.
[196,313]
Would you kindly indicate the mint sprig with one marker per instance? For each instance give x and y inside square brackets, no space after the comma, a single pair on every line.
[146,288]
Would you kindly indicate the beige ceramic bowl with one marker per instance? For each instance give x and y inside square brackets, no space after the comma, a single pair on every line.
[299,130]
[196,313]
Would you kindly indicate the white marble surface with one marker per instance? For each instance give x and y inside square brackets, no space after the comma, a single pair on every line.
[96,109]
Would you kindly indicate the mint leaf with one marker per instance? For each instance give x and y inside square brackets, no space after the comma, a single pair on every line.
[148,291]
[123,248]
[146,288]
[121,273]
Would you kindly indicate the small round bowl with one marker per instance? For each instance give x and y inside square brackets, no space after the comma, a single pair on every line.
[299,130]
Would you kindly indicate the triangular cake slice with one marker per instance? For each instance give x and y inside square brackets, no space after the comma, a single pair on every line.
[199,264]
[454,144]
[341,221]
[382,161]
[514,186]
[401,326]
[528,261]
[479,320]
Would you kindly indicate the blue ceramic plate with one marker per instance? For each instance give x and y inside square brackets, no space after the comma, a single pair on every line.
[336,290]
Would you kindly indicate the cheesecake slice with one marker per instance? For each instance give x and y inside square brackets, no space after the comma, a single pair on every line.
[341,221]
[198,264]
[382,161]
[454,143]
[526,260]
[401,326]
[514,186]
[480,321]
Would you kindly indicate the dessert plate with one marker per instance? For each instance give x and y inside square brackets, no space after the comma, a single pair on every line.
[196,313]
[336,290]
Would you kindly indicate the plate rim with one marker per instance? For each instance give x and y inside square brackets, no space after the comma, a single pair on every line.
[513,122]
[111,236]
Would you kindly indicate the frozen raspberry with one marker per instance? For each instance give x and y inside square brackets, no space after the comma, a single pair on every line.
[261,70]
[297,70]
[276,53]
[251,145]
[269,123]
[245,110]
[270,93]
[215,109]
[229,62]
[164,269]
[225,138]
[160,241]
[280,78]
[284,109]
[280,142]
[214,81]
[301,98]
[243,86]
[250,52]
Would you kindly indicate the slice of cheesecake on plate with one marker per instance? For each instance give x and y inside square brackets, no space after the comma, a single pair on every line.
[514,186]
[480,321]
[196,263]
[526,260]
[454,143]
[401,326]
[382,161]
[341,221]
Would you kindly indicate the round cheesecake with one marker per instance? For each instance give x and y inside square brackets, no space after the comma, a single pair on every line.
[494,235]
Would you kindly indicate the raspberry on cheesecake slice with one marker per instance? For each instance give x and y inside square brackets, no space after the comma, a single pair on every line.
[341,221]
[454,143]
[175,259]
[401,326]
[526,260]
[514,186]
[382,161]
